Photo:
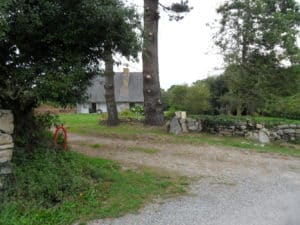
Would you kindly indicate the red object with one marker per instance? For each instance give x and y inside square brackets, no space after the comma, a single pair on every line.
[64,130]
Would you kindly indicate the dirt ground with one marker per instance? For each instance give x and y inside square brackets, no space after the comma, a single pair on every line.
[187,160]
[230,186]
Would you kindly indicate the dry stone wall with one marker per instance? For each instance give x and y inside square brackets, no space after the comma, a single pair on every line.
[250,130]
[6,145]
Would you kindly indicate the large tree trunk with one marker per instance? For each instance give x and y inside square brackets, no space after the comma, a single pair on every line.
[27,133]
[153,105]
[113,119]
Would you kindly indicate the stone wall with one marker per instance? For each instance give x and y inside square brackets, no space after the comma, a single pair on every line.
[249,129]
[6,145]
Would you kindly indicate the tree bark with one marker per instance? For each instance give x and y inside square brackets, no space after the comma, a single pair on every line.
[112,111]
[152,97]
[27,133]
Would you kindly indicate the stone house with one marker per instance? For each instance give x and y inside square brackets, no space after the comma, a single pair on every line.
[128,93]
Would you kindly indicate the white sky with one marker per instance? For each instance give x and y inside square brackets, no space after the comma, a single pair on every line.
[186,49]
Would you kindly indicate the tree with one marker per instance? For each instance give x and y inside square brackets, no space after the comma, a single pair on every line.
[153,104]
[125,33]
[110,99]
[197,98]
[218,88]
[256,38]
[177,96]
[43,59]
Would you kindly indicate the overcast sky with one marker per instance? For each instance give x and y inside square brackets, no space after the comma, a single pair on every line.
[186,49]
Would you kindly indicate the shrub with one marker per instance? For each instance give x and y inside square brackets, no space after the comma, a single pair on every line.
[286,107]
[170,113]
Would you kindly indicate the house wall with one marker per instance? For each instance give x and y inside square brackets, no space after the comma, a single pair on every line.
[6,146]
[122,106]
[83,108]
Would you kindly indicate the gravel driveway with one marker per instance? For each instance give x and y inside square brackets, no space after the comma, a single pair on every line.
[231,187]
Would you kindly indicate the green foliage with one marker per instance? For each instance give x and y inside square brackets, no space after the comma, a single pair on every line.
[59,188]
[170,113]
[193,99]
[231,120]
[256,37]
[197,99]
[259,27]
[66,47]
[138,112]
[47,120]
[287,107]
[218,88]
[177,96]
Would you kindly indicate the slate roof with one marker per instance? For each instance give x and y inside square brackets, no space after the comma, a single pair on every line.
[133,92]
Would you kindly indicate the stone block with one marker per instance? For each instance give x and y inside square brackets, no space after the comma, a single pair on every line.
[289,131]
[5,170]
[259,126]
[6,121]
[294,126]
[192,124]
[263,138]
[9,146]
[252,136]
[178,114]
[5,139]
[243,127]
[297,131]
[183,115]
[5,156]
[175,127]
[183,125]
[280,132]
[282,127]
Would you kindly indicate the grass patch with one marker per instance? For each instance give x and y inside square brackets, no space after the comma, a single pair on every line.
[241,143]
[227,120]
[144,150]
[59,188]
[96,146]
[88,124]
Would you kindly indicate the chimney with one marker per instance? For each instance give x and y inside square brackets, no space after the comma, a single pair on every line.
[125,88]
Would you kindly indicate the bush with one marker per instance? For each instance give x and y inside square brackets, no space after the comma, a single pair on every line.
[286,107]
[170,113]
[225,120]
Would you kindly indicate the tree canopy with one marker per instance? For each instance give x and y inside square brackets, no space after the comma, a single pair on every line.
[258,39]
[50,49]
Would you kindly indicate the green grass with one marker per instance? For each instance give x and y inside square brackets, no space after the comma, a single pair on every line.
[267,121]
[88,124]
[96,146]
[58,188]
[144,150]
[241,143]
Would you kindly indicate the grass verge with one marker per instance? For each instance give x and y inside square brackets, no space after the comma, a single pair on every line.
[88,124]
[59,188]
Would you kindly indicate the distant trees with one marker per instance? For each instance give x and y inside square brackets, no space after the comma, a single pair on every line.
[258,41]
[194,99]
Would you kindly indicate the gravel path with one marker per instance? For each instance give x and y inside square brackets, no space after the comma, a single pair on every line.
[232,187]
